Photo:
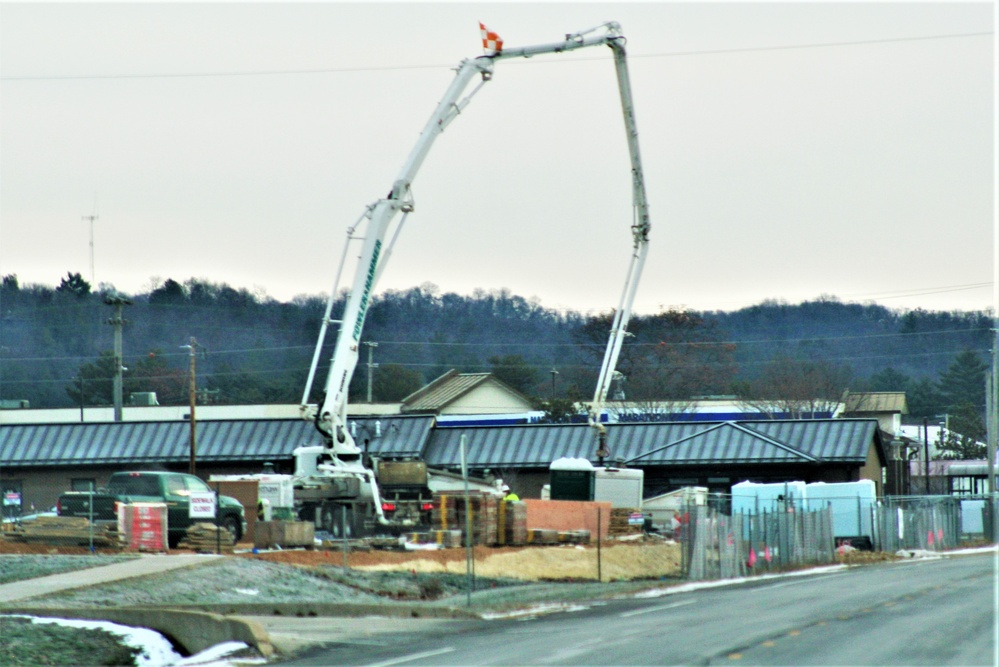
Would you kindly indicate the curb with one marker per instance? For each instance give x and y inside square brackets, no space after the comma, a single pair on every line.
[330,609]
[194,631]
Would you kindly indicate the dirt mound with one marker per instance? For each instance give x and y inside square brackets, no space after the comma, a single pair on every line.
[639,560]
[617,562]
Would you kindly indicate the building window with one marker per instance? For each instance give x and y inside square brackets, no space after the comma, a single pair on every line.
[83,484]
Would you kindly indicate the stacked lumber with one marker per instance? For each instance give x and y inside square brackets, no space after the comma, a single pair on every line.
[65,530]
[619,524]
[359,545]
[449,515]
[207,538]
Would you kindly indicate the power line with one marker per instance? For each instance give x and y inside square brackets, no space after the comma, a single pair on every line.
[394,68]
[520,344]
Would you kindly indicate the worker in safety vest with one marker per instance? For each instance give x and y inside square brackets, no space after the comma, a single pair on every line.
[510,495]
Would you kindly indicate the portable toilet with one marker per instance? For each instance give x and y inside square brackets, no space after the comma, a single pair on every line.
[571,479]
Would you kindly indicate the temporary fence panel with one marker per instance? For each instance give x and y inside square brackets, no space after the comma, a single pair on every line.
[719,546]
[929,523]
[851,504]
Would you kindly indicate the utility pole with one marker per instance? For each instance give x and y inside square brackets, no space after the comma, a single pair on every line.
[554,373]
[992,409]
[926,453]
[118,322]
[371,367]
[80,378]
[192,397]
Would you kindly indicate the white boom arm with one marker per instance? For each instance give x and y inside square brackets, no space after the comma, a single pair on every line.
[331,417]
[640,227]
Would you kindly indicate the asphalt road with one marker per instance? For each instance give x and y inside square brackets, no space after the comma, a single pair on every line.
[925,612]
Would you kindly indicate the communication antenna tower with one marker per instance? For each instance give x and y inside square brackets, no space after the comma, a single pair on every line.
[91,219]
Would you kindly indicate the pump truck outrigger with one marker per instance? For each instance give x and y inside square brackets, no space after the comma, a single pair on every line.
[337,484]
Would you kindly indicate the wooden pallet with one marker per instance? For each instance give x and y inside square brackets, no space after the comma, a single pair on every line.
[207,538]
[65,531]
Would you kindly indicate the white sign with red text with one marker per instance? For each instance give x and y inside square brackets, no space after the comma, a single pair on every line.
[202,505]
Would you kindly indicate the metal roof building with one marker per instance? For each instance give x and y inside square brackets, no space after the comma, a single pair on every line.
[42,460]
[218,442]
[639,445]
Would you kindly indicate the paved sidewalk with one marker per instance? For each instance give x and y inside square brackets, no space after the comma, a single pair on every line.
[138,567]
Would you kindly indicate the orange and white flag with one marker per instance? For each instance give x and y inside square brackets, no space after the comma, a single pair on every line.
[491,42]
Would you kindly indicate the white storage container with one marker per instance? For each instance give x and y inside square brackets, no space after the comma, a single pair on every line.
[622,487]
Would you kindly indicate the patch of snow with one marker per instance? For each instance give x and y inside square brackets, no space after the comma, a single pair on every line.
[215,656]
[699,585]
[247,591]
[535,611]
[156,650]
[415,546]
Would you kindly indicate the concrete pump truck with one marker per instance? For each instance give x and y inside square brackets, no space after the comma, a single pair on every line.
[337,485]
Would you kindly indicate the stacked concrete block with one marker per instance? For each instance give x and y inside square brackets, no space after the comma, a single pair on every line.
[512,523]
[542,536]
[574,537]
[450,511]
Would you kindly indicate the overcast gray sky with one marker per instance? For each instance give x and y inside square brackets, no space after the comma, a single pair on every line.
[791,150]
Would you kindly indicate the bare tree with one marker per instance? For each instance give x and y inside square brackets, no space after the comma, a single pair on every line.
[796,389]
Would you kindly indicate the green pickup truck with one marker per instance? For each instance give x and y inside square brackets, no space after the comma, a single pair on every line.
[172,488]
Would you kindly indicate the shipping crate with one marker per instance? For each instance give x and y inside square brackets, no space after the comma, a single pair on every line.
[270,534]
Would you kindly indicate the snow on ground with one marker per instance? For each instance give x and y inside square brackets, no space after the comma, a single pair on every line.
[157,651]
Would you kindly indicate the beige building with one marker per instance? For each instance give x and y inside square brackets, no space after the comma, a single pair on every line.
[457,393]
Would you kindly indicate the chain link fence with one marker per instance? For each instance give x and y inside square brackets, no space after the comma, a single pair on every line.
[721,546]
[717,543]
[933,523]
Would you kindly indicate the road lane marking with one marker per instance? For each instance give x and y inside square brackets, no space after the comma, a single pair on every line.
[413,656]
[661,607]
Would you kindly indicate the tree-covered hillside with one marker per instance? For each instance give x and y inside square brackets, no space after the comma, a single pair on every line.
[56,347]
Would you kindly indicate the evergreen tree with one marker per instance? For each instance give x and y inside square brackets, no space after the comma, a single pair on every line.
[74,284]
[965,436]
[963,383]
[94,382]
